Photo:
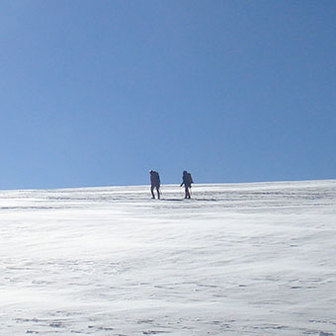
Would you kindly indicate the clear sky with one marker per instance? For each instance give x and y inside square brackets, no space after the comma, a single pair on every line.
[98,92]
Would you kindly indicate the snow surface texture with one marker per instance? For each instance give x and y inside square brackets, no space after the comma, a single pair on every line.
[246,259]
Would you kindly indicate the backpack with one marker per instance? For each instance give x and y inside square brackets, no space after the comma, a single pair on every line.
[189,179]
[156,178]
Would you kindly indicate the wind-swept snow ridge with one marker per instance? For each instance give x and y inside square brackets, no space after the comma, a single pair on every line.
[246,259]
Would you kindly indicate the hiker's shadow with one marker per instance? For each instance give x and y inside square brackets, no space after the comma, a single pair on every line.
[189,199]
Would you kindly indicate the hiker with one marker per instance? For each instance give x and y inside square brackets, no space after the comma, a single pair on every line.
[186,181]
[155,183]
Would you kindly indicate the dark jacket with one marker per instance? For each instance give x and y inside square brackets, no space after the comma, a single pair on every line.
[187,179]
[155,178]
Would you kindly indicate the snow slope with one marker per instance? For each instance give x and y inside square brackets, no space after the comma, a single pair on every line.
[245,259]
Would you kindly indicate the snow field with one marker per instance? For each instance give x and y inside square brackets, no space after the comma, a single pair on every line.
[244,259]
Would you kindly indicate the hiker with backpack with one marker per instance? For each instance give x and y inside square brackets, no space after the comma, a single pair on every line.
[155,183]
[186,181]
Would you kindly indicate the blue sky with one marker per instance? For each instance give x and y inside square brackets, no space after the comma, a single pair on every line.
[97,93]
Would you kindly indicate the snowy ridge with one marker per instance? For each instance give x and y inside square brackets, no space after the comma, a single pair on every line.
[238,259]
